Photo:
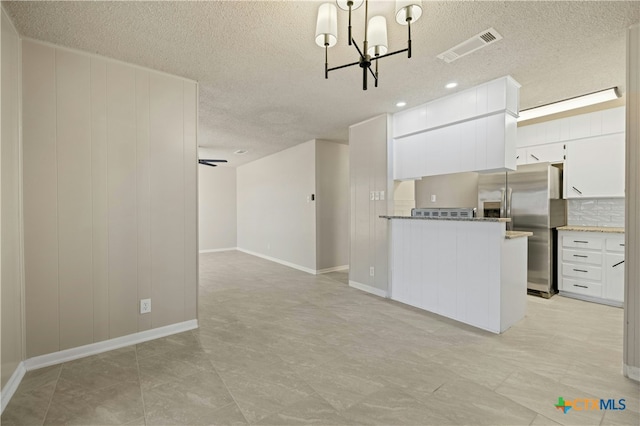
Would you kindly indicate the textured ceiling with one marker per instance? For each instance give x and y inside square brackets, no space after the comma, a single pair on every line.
[262,86]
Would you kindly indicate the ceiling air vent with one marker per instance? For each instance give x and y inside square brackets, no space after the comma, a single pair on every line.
[476,42]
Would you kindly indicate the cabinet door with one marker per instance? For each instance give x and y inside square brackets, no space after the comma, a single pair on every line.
[595,167]
[614,277]
[521,156]
[552,153]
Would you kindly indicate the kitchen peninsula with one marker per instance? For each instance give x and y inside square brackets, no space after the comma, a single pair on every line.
[468,269]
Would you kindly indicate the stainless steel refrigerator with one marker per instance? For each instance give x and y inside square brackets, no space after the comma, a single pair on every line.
[531,197]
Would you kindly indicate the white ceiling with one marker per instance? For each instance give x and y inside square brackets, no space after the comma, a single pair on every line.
[261,75]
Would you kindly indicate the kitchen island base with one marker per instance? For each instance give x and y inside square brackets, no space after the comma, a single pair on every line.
[472,271]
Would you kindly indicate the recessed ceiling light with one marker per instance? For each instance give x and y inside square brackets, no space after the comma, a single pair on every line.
[240,151]
[451,85]
[401,104]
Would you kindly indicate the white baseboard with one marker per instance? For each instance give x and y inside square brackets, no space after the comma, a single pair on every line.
[334,269]
[107,345]
[11,386]
[218,250]
[631,372]
[369,289]
[280,261]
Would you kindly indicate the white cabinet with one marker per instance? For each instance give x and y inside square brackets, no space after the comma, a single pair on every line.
[550,153]
[473,130]
[591,266]
[595,167]
[593,124]
[482,144]
[614,276]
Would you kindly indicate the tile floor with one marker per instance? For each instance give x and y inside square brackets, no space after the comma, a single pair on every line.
[277,346]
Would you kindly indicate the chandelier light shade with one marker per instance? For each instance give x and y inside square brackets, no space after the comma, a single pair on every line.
[327,25]
[377,36]
[375,45]
[408,11]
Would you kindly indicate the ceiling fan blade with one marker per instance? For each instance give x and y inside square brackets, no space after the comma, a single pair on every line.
[207,164]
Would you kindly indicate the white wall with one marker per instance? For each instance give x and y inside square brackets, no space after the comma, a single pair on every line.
[12,277]
[332,204]
[452,190]
[275,218]
[217,209]
[109,198]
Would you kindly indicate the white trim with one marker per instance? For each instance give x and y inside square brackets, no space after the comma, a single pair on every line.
[631,372]
[591,299]
[368,289]
[218,250]
[282,262]
[12,386]
[107,345]
[107,58]
[334,269]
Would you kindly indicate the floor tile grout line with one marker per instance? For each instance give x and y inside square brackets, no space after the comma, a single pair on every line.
[233,398]
[144,408]
[46,413]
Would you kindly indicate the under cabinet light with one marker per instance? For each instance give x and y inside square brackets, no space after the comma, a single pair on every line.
[569,104]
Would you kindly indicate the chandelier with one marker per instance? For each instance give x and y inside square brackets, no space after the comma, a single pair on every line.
[375,43]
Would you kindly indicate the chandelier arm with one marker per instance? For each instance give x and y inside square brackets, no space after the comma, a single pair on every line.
[358,49]
[376,74]
[344,66]
[409,38]
[389,54]
[326,62]
[364,78]
[349,24]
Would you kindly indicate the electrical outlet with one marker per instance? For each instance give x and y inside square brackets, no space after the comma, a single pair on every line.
[433,198]
[145,306]
[372,271]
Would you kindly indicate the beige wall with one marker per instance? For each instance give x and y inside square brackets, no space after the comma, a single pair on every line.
[369,170]
[11,284]
[454,190]
[217,208]
[274,217]
[332,204]
[109,198]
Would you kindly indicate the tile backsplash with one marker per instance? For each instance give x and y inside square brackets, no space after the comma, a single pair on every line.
[596,212]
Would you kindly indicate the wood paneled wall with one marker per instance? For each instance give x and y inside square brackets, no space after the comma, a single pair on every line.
[110,189]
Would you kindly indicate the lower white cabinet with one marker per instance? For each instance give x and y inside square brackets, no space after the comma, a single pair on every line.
[591,266]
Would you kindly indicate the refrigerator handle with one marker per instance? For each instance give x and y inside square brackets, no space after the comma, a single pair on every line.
[509,196]
[503,203]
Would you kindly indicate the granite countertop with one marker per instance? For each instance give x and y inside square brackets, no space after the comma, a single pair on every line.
[591,229]
[517,234]
[464,219]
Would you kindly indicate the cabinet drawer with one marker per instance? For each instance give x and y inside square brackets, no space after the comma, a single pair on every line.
[591,243]
[582,256]
[582,287]
[587,272]
[615,244]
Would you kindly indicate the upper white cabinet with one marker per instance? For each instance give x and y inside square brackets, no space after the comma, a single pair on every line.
[473,130]
[581,126]
[595,167]
[550,153]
